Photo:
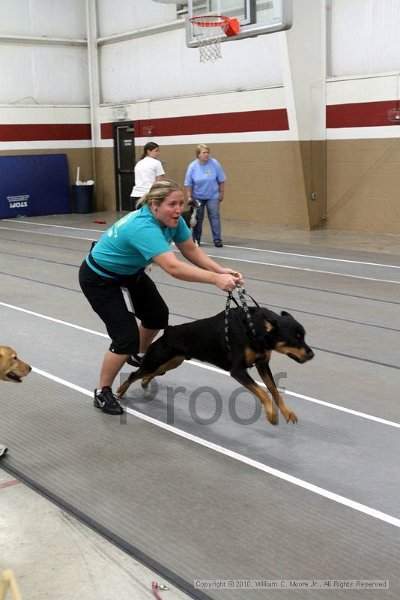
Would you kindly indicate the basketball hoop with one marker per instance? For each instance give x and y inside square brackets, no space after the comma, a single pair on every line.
[209,30]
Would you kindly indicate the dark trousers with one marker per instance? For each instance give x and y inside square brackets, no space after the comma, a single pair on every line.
[106,299]
[213,217]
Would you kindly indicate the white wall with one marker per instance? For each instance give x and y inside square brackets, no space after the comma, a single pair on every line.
[365,37]
[119,16]
[58,18]
[36,71]
[161,66]
[46,74]
[364,40]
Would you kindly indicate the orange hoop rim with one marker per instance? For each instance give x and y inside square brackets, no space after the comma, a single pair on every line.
[209,20]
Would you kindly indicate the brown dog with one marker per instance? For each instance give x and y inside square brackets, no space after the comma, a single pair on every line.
[11,367]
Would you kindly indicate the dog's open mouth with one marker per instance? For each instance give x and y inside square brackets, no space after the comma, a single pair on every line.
[13,377]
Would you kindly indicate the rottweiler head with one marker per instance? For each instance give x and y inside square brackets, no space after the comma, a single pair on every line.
[287,336]
[11,367]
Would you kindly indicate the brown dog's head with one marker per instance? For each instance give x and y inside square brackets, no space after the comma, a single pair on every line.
[11,367]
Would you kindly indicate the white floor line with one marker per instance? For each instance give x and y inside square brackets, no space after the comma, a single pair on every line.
[35,314]
[310,487]
[57,226]
[344,260]
[219,257]
[277,266]
[350,411]
[216,370]
[72,237]
[64,382]
[266,251]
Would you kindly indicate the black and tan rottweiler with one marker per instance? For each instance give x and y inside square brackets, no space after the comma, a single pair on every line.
[242,348]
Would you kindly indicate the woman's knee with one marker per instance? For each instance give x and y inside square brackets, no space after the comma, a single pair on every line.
[124,335]
[158,319]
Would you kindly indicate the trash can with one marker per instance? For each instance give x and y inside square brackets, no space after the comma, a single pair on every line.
[82,198]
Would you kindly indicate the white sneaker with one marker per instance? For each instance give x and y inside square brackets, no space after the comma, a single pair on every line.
[3,450]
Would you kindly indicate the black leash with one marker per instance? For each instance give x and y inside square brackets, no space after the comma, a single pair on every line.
[241,293]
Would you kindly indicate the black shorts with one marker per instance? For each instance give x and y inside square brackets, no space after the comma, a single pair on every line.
[106,299]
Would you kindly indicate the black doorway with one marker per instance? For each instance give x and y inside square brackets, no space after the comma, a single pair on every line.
[124,159]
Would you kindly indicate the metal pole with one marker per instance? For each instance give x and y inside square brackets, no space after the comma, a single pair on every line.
[93,76]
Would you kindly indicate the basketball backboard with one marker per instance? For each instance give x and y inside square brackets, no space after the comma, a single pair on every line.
[256,17]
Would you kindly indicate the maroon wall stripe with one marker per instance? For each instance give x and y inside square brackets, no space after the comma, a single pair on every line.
[106,131]
[360,114]
[28,133]
[255,120]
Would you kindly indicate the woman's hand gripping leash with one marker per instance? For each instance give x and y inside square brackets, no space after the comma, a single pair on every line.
[230,281]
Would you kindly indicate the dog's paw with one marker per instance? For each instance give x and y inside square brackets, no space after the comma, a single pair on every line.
[145,382]
[120,393]
[291,417]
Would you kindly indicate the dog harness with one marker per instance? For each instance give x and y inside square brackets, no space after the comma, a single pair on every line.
[241,293]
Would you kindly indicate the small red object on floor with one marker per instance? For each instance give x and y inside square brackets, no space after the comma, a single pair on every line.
[100,222]
[157,586]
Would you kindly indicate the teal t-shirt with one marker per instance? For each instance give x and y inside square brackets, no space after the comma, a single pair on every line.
[132,242]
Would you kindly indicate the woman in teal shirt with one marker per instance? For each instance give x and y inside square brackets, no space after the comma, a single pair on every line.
[113,279]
